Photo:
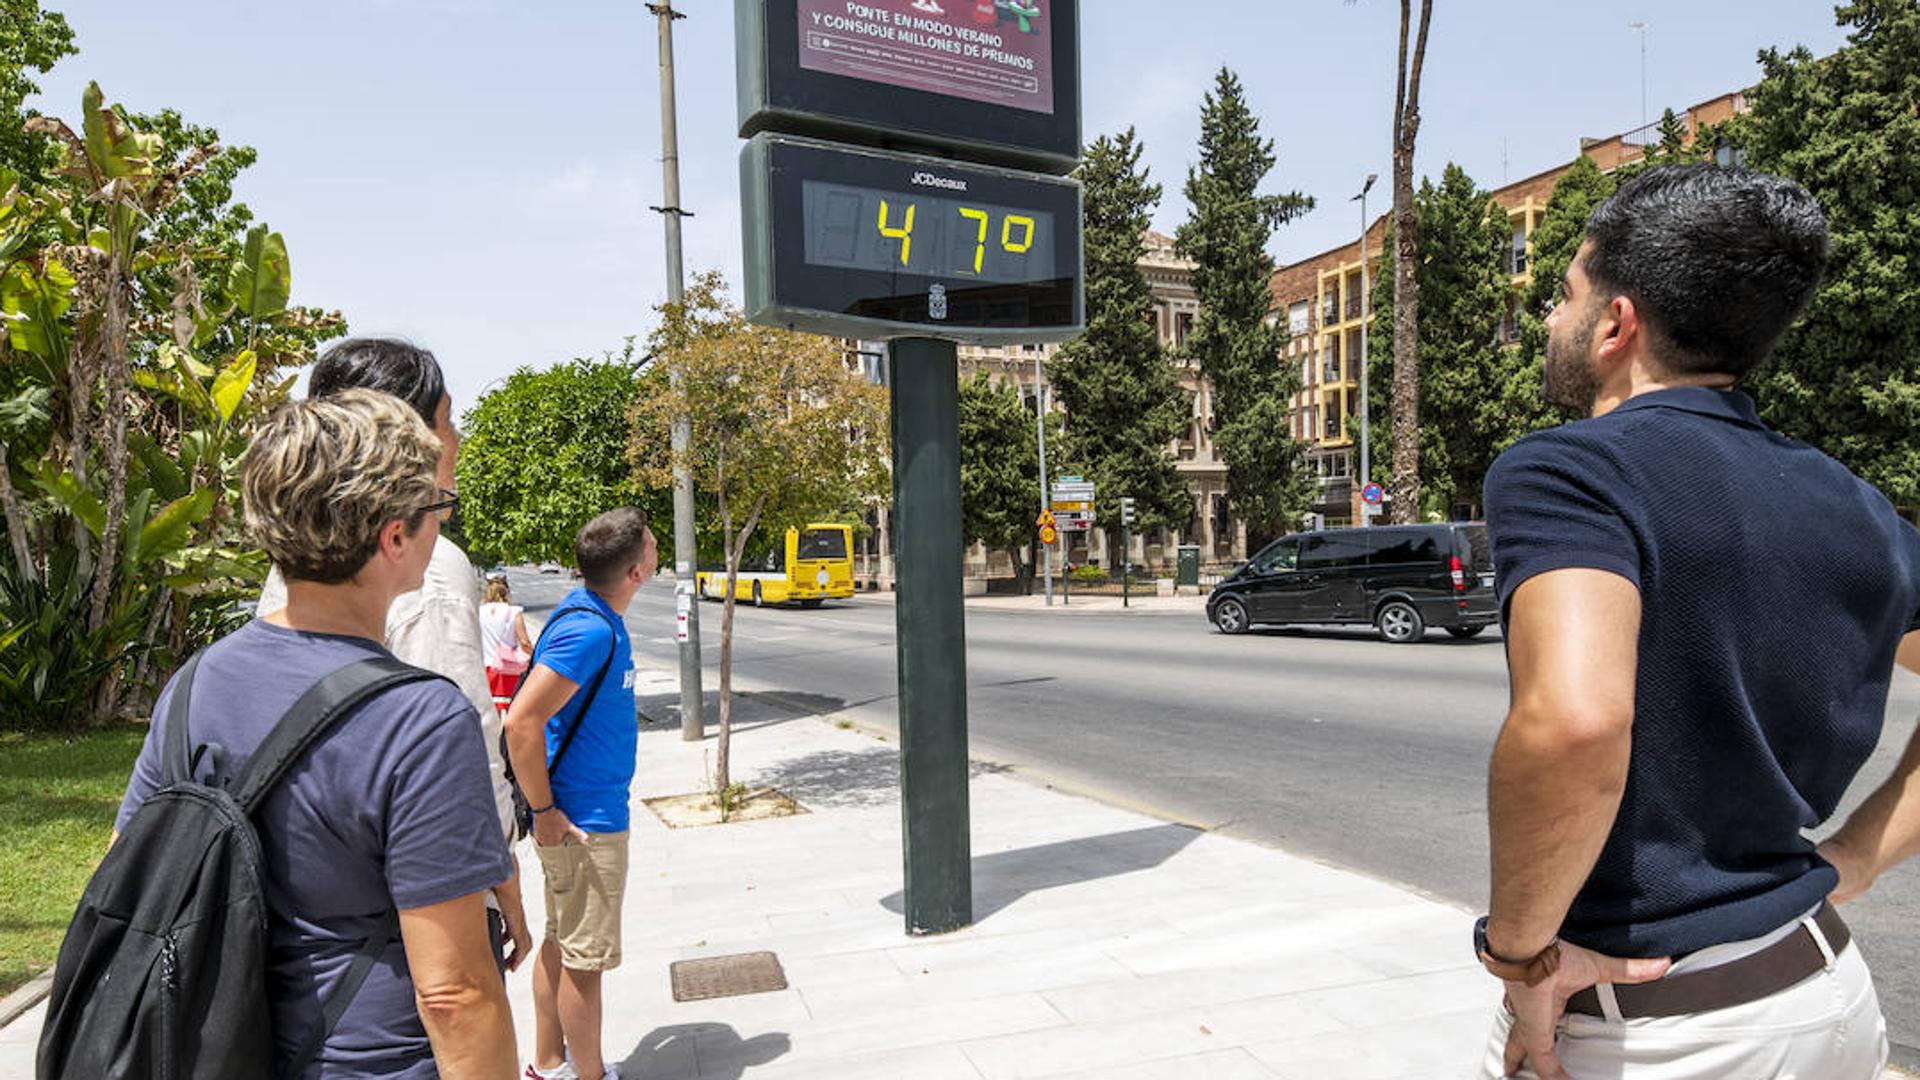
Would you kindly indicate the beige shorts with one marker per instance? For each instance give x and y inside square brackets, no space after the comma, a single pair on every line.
[585,884]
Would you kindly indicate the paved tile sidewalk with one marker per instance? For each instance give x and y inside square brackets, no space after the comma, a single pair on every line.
[1107,944]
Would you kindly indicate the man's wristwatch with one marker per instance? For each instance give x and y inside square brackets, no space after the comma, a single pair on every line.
[1533,970]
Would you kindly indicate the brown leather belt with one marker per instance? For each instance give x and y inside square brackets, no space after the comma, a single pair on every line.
[1750,978]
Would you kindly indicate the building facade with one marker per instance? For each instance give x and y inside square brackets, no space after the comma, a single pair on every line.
[1211,526]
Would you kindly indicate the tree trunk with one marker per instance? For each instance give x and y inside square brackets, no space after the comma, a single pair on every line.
[114,356]
[1405,508]
[1022,572]
[723,742]
[16,521]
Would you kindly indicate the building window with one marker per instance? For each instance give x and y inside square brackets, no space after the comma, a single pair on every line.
[1353,297]
[1339,466]
[1354,359]
[1330,304]
[1330,360]
[1510,322]
[1729,156]
[1299,316]
[1517,256]
[1332,413]
[1182,328]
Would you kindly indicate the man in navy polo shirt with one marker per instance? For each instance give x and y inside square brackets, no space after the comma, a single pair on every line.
[573,737]
[1702,619]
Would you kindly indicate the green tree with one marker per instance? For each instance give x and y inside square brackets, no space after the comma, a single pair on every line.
[31,42]
[783,434]
[545,452]
[126,403]
[1523,406]
[1235,344]
[1846,378]
[1464,292]
[1000,470]
[1123,400]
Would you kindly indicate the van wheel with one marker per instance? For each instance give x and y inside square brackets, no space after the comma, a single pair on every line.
[1230,615]
[1465,631]
[1399,623]
[757,601]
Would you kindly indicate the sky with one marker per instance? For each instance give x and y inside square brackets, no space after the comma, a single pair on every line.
[476,174]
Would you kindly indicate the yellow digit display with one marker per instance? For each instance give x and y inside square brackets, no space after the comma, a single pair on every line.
[980,241]
[904,234]
[1006,233]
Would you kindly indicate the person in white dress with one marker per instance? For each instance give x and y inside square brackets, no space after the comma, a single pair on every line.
[503,641]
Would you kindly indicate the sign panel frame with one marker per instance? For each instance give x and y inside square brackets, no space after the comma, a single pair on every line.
[783,286]
[778,90]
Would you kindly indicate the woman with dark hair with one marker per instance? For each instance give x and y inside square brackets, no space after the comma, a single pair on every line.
[436,626]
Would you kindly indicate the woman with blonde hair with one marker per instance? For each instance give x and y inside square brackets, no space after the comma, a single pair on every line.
[388,817]
[504,641]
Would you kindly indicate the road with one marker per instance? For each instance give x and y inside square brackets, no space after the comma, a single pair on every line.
[1326,743]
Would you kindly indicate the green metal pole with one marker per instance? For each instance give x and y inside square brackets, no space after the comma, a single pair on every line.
[932,636]
[1126,564]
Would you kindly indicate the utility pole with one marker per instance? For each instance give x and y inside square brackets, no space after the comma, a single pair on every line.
[1366,316]
[1040,422]
[685,546]
[1642,28]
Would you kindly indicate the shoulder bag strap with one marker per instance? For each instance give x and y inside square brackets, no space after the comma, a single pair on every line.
[176,758]
[593,690]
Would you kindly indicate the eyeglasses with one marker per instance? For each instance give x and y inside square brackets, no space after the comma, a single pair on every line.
[445,506]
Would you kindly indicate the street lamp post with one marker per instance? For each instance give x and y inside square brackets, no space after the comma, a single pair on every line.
[692,692]
[1366,316]
[1641,27]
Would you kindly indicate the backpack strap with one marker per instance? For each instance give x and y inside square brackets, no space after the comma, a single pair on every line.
[176,762]
[342,996]
[317,710]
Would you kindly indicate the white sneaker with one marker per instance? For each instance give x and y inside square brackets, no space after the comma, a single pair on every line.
[562,1071]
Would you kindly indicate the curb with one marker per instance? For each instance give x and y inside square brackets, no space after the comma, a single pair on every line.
[22,1001]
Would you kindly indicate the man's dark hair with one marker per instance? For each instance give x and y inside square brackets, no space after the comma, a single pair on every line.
[388,365]
[1718,261]
[609,545]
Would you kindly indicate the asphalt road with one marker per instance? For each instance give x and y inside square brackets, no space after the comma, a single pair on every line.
[1326,743]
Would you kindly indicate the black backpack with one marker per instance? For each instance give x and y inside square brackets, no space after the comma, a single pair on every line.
[163,973]
[522,809]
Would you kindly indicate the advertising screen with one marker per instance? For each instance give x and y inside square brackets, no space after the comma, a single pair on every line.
[999,52]
[994,81]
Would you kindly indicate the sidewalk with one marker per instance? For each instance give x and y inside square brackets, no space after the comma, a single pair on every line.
[1107,944]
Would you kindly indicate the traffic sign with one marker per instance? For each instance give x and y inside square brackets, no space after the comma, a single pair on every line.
[1046,518]
[1371,494]
[1072,506]
[1048,534]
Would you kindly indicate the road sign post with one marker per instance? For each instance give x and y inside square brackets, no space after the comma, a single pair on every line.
[1126,549]
[932,638]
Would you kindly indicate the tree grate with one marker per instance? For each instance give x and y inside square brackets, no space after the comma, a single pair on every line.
[727,976]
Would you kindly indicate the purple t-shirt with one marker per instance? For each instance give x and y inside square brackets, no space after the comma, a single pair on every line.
[393,807]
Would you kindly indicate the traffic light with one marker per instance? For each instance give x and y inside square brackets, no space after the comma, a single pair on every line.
[1126,510]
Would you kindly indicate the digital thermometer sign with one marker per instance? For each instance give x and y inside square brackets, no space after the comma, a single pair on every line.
[869,243]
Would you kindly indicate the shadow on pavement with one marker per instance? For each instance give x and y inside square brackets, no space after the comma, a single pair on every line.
[846,779]
[1367,633]
[1004,877]
[750,710]
[707,1051]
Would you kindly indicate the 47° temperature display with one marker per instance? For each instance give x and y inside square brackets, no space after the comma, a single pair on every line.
[909,232]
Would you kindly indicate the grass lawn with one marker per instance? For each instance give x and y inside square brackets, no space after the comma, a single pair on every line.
[57,800]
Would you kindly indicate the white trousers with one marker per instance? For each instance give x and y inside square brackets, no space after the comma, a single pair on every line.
[1825,1027]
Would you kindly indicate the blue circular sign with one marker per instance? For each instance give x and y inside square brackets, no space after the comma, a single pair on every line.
[1371,494]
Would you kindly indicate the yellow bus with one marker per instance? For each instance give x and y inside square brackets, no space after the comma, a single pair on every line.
[815,564]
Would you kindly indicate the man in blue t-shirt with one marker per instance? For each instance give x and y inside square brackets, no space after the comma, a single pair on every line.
[1702,619]
[572,735]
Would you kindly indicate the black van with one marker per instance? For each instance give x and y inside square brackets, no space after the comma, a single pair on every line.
[1399,579]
